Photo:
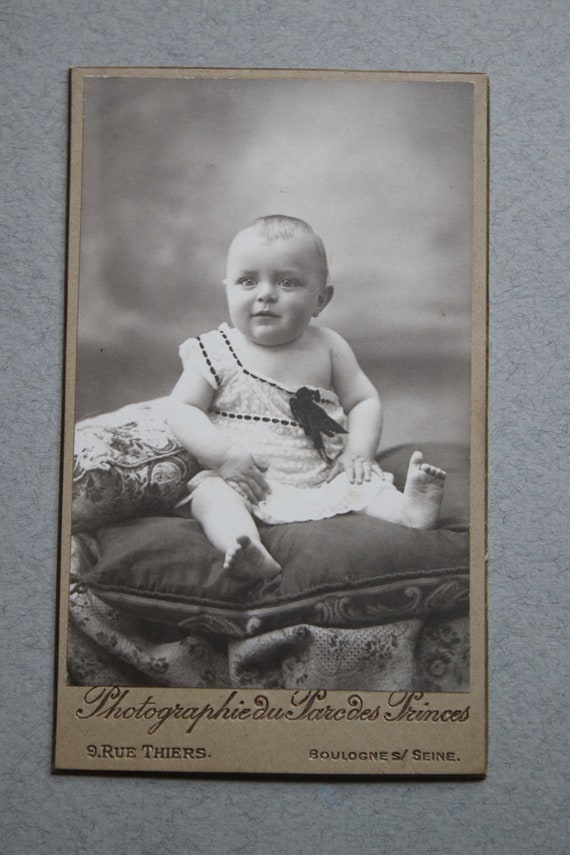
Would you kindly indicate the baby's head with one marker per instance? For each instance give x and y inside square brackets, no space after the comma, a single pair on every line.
[276,279]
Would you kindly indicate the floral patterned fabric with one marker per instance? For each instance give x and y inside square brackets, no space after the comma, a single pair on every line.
[127,464]
[108,647]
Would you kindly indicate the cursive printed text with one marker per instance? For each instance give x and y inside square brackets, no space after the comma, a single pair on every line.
[115,704]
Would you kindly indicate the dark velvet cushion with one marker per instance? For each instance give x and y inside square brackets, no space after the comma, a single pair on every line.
[347,571]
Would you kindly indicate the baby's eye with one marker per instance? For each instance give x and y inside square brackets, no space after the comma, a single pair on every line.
[287,283]
[247,282]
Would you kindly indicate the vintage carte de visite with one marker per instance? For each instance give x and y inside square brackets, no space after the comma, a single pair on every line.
[274,476]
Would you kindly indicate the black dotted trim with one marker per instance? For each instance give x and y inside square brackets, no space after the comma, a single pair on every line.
[247,418]
[262,379]
[208,360]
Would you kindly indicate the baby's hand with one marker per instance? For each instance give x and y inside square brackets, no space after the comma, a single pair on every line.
[244,472]
[358,467]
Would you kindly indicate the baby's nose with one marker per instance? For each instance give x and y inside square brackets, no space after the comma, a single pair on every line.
[266,291]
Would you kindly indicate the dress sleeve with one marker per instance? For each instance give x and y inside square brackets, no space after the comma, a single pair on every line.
[195,357]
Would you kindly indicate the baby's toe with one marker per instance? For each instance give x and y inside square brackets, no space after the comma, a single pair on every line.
[231,555]
[438,473]
[433,471]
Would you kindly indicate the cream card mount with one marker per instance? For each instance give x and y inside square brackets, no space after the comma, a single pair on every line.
[294,236]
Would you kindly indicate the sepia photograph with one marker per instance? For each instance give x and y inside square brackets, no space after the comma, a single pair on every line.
[275,387]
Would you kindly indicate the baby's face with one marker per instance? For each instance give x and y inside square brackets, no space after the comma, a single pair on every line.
[274,288]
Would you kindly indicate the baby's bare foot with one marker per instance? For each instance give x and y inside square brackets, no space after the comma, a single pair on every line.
[423,493]
[249,559]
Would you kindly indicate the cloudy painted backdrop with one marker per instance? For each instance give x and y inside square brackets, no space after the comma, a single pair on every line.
[383,172]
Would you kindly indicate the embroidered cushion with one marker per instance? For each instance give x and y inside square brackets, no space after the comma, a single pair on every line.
[127,464]
[346,571]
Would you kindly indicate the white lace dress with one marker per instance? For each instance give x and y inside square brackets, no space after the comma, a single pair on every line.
[256,411]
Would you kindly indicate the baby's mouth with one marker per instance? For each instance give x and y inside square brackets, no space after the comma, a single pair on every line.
[265,315]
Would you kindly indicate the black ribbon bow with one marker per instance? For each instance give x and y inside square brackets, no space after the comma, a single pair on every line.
[313,418]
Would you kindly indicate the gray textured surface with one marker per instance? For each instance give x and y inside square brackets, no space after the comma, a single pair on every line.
[521,806]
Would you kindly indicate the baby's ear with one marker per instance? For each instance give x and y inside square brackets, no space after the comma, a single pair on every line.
[323,299]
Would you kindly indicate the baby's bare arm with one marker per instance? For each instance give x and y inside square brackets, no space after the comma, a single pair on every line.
[361,403]
[189,421]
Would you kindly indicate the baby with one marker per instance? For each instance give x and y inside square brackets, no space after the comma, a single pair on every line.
[279,411]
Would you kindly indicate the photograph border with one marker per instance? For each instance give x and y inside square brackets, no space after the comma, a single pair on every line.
[229,749]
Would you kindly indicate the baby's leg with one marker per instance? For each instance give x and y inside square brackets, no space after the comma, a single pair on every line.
[418,506]
[229,527]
